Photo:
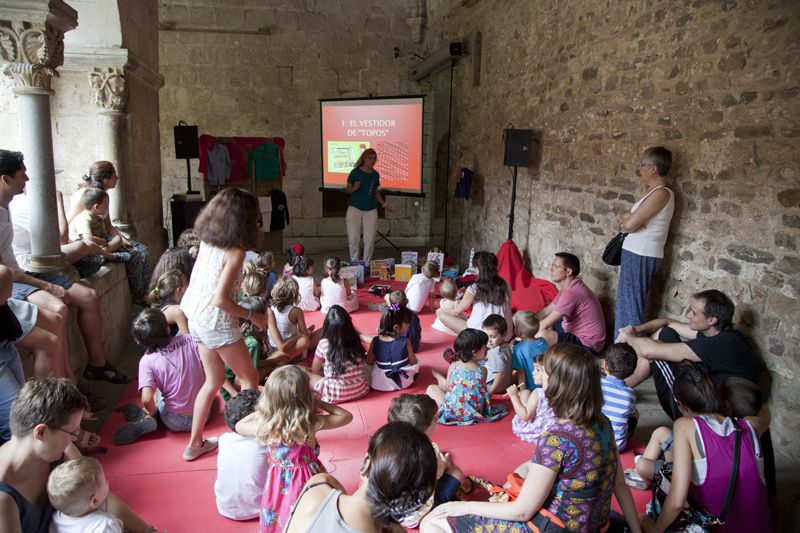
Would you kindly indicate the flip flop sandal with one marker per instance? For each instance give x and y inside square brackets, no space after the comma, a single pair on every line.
[635,481]
[98,373]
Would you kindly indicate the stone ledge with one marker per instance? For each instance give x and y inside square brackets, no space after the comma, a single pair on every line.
[111,285]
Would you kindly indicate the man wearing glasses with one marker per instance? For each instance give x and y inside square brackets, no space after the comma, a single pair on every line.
[708,337]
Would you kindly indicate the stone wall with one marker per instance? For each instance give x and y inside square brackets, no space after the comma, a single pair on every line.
[268,82]
[715,81]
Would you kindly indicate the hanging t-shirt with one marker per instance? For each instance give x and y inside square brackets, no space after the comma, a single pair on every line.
[280,210]
[464,185]
[265,161]
[218,165]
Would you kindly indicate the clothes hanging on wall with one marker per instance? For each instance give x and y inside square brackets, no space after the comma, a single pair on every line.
[464,185]
[218,164]
[261,157]
[280,210]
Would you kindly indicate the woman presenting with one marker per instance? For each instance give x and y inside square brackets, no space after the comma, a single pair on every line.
[647,226]
[362,186]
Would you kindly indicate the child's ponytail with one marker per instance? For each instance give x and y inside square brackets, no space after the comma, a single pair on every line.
[395,315]
[166,286]
[468,342]
[333,264]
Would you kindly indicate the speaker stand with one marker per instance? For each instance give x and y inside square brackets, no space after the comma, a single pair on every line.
[384,237]
[189,178]
[513,201]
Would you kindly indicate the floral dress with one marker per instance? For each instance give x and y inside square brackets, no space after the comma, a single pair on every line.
[289,469]
[467,400]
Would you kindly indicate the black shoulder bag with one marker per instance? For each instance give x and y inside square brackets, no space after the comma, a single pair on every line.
[695,513]
[612,255]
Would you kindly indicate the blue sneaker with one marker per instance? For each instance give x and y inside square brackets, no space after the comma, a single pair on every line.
[132,431]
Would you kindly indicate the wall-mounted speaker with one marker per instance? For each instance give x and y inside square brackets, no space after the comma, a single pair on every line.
[518,150]
[186,146]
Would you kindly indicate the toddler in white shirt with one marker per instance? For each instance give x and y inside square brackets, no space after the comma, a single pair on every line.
[78,490]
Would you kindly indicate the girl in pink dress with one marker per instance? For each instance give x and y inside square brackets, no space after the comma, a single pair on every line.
[286,420]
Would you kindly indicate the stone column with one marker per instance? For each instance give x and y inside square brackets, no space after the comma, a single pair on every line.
[111,100]
[31,49]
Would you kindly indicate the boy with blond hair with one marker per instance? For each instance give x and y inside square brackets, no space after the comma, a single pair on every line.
[526,326]
[78,490]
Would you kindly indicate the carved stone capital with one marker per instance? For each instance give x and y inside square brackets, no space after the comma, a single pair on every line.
[110,93]
[31,53]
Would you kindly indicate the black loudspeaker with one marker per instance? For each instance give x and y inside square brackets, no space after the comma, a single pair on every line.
[185,209]
[186,146]
[518,148]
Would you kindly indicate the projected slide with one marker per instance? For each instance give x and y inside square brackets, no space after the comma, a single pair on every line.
[390,126]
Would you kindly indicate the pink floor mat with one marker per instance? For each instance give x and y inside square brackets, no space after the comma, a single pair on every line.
[176,495]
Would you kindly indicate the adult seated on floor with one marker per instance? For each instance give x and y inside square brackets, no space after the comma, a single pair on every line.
[489,295]
[704,441]
[102,175]
[708,337]
[398,477]
[45,420]
[575,466]
[48,291]
[575,315]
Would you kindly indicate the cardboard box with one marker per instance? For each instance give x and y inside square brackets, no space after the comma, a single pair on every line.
[403,272]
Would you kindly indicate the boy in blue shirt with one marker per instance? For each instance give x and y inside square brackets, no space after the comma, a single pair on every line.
[526,326]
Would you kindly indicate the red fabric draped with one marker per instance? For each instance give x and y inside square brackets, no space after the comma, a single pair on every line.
[527,292]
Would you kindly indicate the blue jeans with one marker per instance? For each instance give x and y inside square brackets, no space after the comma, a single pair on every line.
[172,421]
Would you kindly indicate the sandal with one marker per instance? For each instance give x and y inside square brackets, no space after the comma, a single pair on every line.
[449,355]
[98,373]
[88,443]
[209,445]
[634,480]
[96,403]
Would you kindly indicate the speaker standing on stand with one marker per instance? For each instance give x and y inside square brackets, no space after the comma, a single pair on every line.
[517,154]
[185,207]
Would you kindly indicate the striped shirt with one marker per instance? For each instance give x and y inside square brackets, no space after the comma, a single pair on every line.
[349,385]
[619,404]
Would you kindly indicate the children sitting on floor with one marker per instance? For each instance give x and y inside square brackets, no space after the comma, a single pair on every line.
[287,419]
[78,490]
[462,397]
[420,410]
[338,373]
[335,290]
[303,274]
[526,326]
[254,281]
[619,400]
[170,376]
[421,287]
[414,333]
[499,355]
[449,291]
[394,365]
[266,262]
[287,324]
[293,253]
[166,295]
[533,415]
[264,357]
[241,463]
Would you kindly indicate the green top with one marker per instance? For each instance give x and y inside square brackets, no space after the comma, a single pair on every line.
[364,197]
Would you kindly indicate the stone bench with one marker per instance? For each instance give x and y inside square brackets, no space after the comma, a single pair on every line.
[111,285]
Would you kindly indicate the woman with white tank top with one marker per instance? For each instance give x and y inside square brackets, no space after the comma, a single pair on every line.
[647,226]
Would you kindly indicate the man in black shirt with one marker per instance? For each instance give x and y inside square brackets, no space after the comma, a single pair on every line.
[707,338]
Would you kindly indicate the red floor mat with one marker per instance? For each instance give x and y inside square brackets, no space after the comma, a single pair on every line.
[179,496]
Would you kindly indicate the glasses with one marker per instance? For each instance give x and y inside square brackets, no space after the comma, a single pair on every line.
[74,434]
[642,165]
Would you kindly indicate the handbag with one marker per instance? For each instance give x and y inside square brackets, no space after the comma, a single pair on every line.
[694,513]
[612,255]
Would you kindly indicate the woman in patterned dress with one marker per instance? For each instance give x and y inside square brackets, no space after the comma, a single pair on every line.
[574,469]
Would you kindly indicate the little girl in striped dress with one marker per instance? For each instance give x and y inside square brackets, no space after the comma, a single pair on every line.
[338,372]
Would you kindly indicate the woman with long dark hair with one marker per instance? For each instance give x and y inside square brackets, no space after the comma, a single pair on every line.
[489,295]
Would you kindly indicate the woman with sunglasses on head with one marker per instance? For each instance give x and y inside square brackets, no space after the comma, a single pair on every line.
[647,226]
